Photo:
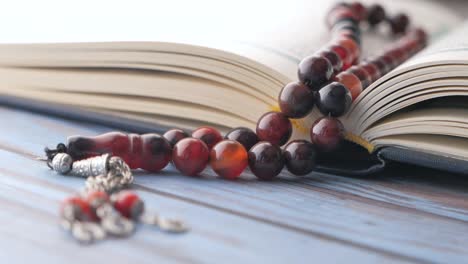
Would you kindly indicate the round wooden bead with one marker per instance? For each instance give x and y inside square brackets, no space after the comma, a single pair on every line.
[372,70]
[375,14]
[175,135]
[351,46]
[243,135]
[300,157]
[327,133]
[334,99]
[345,56]
[333,58]
[190,156]
[399,23]
[128,204]
[359,9]
[314,71]
[274,127]
[362,74]
[296,100]
[351,82]
[209,135]
[266,160]
[228,159]
[160,149]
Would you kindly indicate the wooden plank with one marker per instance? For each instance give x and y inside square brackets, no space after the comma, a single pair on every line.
[365,214]
[30,196]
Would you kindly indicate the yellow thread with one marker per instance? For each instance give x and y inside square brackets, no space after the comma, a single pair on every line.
[297,123]
[360,141]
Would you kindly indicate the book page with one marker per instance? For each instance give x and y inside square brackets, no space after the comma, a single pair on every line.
[275,33]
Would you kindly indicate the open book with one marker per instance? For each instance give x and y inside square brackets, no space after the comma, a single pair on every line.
[187,81]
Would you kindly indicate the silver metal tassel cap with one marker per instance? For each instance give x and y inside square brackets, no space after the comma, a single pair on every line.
[62,163]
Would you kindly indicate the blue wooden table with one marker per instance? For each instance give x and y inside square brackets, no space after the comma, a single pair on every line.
[402,215]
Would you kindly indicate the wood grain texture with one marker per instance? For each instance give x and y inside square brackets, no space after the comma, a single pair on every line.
[322,217]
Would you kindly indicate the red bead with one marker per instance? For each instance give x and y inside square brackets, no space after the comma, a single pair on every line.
[334,99]
[300,157]
[274,127]
[266,160]
[351,46]
[228,159]
[190,156]
[209,135]
[362,74]
[344,54]
[175,135]
[399,23]
[333,58]
[359,10]
[76,208]
[151,152]
[351,82]
[243,135]
[314,71]
[375,14]
[373,71]
[327,133]
[296,100]
[128,204]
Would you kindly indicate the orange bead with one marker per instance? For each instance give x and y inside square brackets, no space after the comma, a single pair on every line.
[351,82]
[350,45]
[228,159]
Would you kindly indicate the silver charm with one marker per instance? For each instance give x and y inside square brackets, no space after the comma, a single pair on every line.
[62,163]
[113,223]
[165,224]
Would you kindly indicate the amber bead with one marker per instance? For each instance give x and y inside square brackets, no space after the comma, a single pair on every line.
[359,9]
[175,135]
[362,74]
[381,65]
[266,160]
[190,156]
[296,100]
[399,23]
[372,70]
[228,159]
[76,208]
[128,204]
[375,14]
[243,135]
[351,46]
[274,127]
[314,71]
[209,135]
[351,82]
[344,54]
[300,157]
[334,99]
[334,59]
[327,133]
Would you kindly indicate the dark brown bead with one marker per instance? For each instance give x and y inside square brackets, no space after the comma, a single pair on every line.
[175,135]
[209,135]
[399,23]
[334,99]
[333,58]
[372,70]
[383,67]
[315,71]
[300,157]
[345,56]
[274,127]
[362,74]
[296,100]
[266,160]
[359,9]
[243,135]
[389,61]
[327,133]
[375,14]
